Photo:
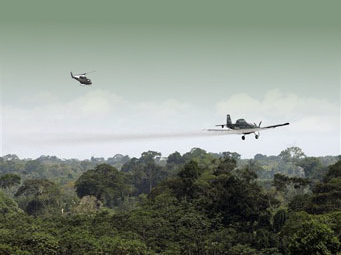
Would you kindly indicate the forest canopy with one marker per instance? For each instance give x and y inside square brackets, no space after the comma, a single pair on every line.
[192,203]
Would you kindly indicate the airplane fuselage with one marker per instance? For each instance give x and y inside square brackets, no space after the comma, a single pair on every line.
[240,124]
[243,128]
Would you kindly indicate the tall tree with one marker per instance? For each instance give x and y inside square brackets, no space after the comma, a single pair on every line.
[39,196]
[145,172]
[9,180]
[312,167]
[151,170]
[292,154]
[309,236]
[326,195]
[104,182]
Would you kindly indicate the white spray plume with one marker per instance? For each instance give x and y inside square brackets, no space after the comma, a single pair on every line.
[95,137]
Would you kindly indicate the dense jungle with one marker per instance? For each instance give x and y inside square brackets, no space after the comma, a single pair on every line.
[193,203]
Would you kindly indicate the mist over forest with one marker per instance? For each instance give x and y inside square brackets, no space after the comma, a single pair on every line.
[192,203]
[133,81]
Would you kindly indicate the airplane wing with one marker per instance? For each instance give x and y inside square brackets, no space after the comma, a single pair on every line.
[274,126]
[244,131]
[221,125]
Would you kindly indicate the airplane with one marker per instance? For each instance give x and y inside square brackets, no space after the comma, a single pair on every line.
[242,127]
[82,78]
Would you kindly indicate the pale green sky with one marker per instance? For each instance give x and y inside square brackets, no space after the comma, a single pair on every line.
[197,54]
[245,13]
[157,48]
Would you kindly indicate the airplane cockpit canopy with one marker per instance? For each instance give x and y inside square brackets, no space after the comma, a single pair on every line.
[241,121]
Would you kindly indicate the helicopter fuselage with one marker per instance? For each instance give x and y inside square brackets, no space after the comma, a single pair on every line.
[82,79]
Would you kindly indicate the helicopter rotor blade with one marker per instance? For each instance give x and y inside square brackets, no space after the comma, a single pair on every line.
[85,73]
[89,72]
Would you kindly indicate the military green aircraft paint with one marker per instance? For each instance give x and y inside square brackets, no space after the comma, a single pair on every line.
[243,128]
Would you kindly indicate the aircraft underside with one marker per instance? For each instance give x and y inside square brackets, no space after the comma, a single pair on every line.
[256,135]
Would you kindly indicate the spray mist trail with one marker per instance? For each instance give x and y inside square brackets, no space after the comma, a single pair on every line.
[86,138]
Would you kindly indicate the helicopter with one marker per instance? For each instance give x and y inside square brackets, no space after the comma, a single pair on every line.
[82,78]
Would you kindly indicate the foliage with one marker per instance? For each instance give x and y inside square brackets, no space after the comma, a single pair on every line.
[279,219]
[308,235]
[104,182]
[292,154]
[195,203]
[333,172]
[145,172]
[39,197]
[312,166]
[327,194]
[7,205]
[9,180]
[88,205]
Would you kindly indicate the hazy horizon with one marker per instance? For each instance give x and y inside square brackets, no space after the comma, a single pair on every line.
[169,68]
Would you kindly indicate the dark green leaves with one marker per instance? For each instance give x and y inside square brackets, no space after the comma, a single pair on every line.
[104,182]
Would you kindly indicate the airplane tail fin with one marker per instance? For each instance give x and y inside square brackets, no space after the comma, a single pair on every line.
[228,120]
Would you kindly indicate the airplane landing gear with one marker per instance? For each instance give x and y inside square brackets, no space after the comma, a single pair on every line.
[256,136]
[243,137]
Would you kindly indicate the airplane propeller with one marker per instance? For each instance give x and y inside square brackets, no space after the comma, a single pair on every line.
[258,124]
